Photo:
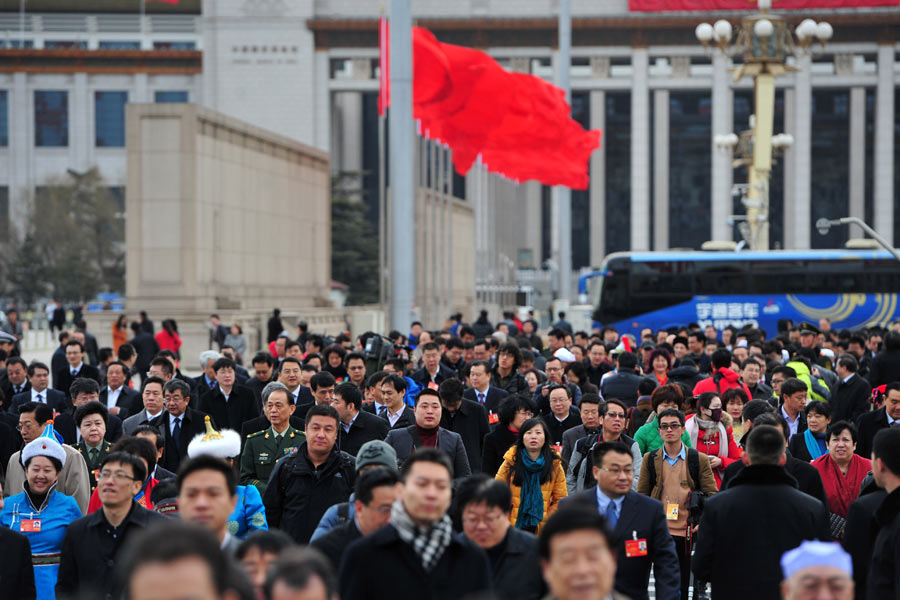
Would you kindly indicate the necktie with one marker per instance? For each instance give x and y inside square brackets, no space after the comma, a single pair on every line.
[382,410]
[481,397]
[611,517]
[895,424]
[18,388]
[74,372]
[93,452]
[39,398]
[278,440]
[176,431]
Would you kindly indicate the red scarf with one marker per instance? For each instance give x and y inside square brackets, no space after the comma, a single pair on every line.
[841,489]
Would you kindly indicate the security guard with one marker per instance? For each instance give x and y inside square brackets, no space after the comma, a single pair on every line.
[263,449]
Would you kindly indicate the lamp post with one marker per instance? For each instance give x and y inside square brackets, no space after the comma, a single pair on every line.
[765,39]
[824,225]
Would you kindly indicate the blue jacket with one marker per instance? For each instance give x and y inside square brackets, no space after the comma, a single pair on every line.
[249,513]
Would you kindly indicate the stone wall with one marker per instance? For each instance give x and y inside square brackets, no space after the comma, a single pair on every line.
[222,215]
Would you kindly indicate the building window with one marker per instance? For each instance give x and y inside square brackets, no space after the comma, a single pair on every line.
[51,118]
[170,96]
[16,44]
[830,164]
[109,119]
[617,147]
[65,45]
[690,161]
[4,212]
[4,118]
[174,46]
[119,45]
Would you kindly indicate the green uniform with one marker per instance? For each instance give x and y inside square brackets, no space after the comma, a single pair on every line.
[93,466]
[262,450]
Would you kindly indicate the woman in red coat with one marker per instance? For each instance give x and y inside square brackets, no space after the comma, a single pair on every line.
[842,471]
[710,436]
[168,338]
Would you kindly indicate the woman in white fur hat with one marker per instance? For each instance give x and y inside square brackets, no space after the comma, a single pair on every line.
[40,512]
[249,513]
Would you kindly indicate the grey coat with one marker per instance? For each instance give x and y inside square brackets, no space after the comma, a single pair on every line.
[405,441]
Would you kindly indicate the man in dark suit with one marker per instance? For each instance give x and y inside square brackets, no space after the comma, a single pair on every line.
[39,378]
[590,414]
[853,393]
[872,422]
[263,370]
[206,381]
[432,373]
[228,404]
[76,368]
[16,568]
[145,346]
[624,384]
[58,360]
[119,399]
[482,391]
[178,424]
[153,405]
[65,423]
[468,418]
[152,434]
[641,537]
[357,426]
[563,416]
[426,432]
[793,400]
[393,394]
[784,517]
[14,379]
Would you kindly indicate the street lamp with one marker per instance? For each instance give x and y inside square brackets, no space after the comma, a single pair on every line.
[765,39]
[824,225]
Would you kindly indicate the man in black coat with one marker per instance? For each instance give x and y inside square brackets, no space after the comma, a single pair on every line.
[39,377]
[263,372]
[393,395]
[119,399]
[303,486]
[14,379]
[145,346]
[632,518]
[468,418]
[808,479]
[374,494]
[782,516]
[871,423]
[853,393]
[16,568]
[178,424]
[624,384]
[357,426]
[884,571]
[228,404]
[484,506]
[861,531]
[482,391]
[432,373]
[75,368]
[386,563]
[563,416]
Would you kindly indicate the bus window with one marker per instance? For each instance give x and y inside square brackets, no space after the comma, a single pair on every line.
[775,277]
[715,277]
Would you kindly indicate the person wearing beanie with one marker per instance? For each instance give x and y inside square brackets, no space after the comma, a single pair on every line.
[249,514]
[814,565]
[40,512]
[371,455]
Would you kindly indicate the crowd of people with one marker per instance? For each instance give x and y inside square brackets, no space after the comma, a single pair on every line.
[479,461]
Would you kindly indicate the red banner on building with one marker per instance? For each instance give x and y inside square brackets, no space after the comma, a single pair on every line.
[708,5]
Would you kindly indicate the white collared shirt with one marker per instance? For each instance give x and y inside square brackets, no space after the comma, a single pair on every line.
[393,418]
[112,396]
[151,417]
[350,424]
[34,394]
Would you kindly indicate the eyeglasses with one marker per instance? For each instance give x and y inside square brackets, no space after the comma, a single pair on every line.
[615,415]
[670,426]
[23,426]
[616,472]
[118,476]
[489,520]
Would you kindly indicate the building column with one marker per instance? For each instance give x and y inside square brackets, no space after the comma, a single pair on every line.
[598,183]
[81,135]
[530,194]
[802,149]
[857,204]
[884,144]
[661,169]
[722,171]
[347,120]
[788,185]
[323,102]
[141,89]
[21,150]
[640,149]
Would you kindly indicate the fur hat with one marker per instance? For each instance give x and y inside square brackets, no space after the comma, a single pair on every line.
[221,444]
[45,445]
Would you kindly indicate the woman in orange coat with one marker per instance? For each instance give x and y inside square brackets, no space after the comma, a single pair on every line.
[535,475]
[119,333]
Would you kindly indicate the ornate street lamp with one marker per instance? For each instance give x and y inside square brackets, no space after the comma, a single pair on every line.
[765,40]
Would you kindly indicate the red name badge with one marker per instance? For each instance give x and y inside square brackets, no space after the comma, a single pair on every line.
[30,525]
[433,386]
[493,418]
[635,548]
[557,448]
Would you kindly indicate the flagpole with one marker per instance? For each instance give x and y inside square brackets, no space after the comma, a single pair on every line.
[564,194]
[382,220]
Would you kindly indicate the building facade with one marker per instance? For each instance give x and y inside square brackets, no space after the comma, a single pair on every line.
[309,70]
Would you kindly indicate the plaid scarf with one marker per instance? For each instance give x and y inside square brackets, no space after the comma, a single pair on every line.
[429,544]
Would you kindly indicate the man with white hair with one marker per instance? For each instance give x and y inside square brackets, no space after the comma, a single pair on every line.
[207,380]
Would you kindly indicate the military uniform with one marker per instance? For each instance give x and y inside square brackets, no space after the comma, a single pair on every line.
[93,466]
[262,450]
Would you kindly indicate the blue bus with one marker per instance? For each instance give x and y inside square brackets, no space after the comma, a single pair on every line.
[852,288]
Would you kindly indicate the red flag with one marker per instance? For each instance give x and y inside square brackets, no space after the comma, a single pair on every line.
[384,80]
